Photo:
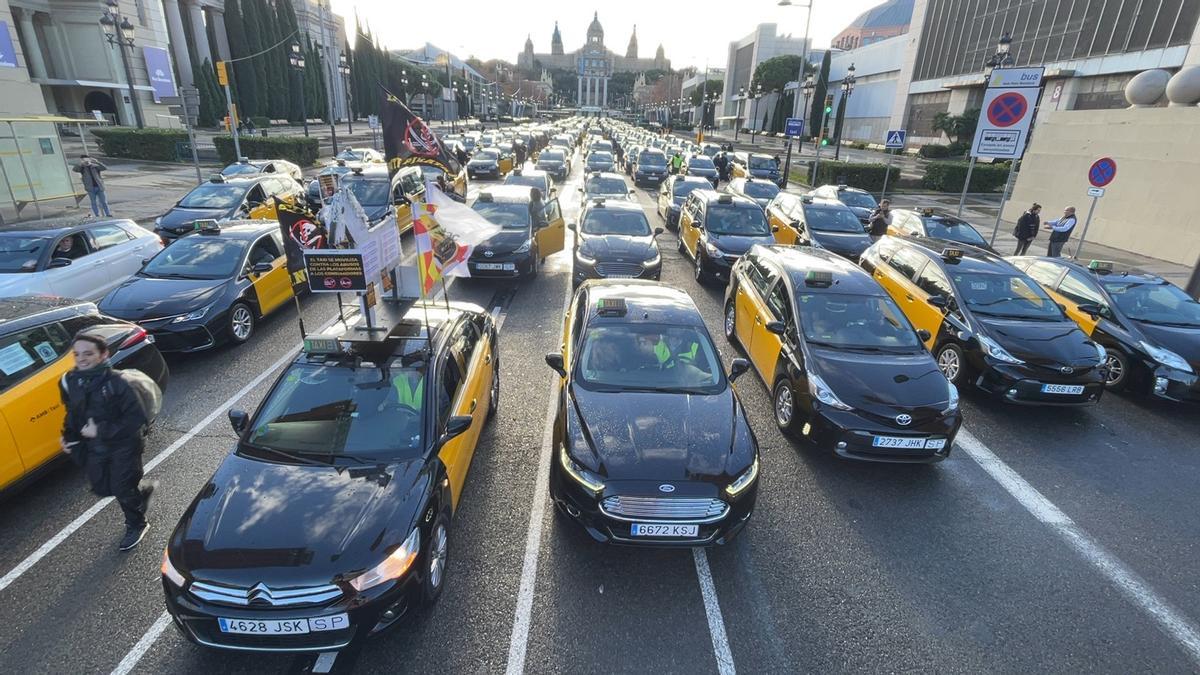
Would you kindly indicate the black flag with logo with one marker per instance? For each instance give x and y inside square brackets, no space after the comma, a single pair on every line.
[302,230]
[408,141]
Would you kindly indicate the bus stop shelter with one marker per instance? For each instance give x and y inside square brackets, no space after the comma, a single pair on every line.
[34,166]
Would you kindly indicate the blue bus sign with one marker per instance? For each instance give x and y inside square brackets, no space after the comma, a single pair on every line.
[794,126]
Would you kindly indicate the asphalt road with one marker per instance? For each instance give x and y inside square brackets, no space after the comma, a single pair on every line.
[1050,541]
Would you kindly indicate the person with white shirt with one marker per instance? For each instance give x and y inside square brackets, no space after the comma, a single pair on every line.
[1060,231]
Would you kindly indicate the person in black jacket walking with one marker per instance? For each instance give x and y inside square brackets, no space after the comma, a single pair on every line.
[880,220]
[102,432]
[1027,228]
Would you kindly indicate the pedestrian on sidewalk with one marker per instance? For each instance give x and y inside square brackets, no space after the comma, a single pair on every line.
[1027,228]
[880,220]
[722,164]
[1060,231]
[102,432]
[89,170]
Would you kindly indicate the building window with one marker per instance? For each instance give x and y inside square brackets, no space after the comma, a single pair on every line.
[921,110]
[1106,92]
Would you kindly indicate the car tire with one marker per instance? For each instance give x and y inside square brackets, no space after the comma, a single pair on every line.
[729,322]
[1116,367]
[952,361]
[701,275]
[535,266]
[241,322]
[494,393]
[679,245]
[783,408]
[437,554]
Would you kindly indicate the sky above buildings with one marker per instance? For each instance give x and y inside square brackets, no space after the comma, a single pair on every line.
[692,33]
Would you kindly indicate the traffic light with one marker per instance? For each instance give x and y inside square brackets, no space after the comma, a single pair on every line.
[824,141]
[828,103]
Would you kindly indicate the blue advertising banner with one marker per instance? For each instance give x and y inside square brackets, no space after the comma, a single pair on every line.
[158,64]
[8,55]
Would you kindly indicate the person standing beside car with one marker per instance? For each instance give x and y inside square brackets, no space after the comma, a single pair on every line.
[1060,232]
[89,171]
[1027,228]
[881,220]
[102,432]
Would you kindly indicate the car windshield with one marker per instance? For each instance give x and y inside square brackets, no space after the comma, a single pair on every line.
[549,156]
[649,357]
[855,321]
[738,220]
[197,257]
[509,215]
[214,196]
[700,162]
[332,409]
[605,185]
[600,157]
[239,169]
[653,159]
[538,182]
[954,230]
[832,219]
[369,191]
[1004,295]
[763,163]
[487,154]
[685,187]
[760,190]
[352,155]
[1159,303]
[610,221]
[860,200]
[20,252]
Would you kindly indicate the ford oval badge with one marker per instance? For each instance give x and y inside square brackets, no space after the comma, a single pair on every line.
[666,487]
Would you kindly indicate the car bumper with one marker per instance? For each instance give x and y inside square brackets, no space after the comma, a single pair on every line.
[198,619]
[189,336]
[608,527]
[508,266]
[1172,384]
[649,178]
[1023,385]
[583,271]
[720,267]
[850,435]
[483,173]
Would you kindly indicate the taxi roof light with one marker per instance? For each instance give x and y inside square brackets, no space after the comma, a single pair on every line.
[842,186]
[611,307]
[243,160]
[358,170]
[207,226]
[807,199]
[598,202]
[1101,266]
[818,278]
[927,211]
[216,178]
[952,254]
[322,344]
[485,197]
[725,199]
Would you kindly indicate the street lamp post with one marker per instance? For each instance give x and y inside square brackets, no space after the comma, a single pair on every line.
[737,116]
[119,33]
[758,92]
[296,61]
[808,88]
[847,90]
[803,48]
[1001,59]
[344,69]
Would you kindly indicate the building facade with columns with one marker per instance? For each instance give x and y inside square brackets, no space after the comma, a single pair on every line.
[593,63]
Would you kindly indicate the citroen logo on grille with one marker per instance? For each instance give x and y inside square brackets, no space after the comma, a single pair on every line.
[904,419]
[666,487]
[260,595]
[1066,370]
[488,253]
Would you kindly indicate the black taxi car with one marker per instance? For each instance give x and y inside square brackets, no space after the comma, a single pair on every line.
[614,240]
[936,224]
[715,228]
[845,368]
[517,250]
[221,198]
[652,444]
[805,220]
[861,202]
[671,194]
[208,288]
[330,519]
[1149,327]
[988,323]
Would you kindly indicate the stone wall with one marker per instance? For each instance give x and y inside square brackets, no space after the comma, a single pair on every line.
[1150,208]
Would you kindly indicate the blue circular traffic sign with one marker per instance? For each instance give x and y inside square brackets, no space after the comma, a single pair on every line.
[1103,171]
[1007,109]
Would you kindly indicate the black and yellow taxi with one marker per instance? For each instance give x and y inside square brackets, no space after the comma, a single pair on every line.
[253,167]
[861,202]
[222,198]
[936,224]
[988,323]
[804,220]
[846,369]
[756,165]
[651,443]
[490,162]
[208,288]
[1149,327]
[716,228]
[330,519]
[673,192]
[614,240]
[382,194]
[519,248]
[35,345]
[604,185]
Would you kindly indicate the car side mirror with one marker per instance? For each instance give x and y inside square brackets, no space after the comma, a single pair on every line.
[737,367]
[796,224]
[59,262]
[555,361]
[658,231]
[239,420]
[924,334]
[455,426]
[553,190]
[262,268]
[774,228]
[579,189]
[1061,306]
[633,192]
[1091,310]
[776,327]
[571,226]
[938,301]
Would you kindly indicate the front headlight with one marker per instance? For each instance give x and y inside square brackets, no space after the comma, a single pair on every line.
[994,350]
[524,248]
[1166,357]
[158,221]
[169,571]
[393,567]
[713,251]
[744,480]
[584,258]
[193,316]
[581,475]
[822,392]
[652,261]
[1101,352]
[952,403]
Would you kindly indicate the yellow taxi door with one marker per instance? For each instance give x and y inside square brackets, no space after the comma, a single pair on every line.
[764,345]
[777,217]
[552,238]
[471,400]
[33,410]
[1074,290]
[689,225]
[272,288]
[930,282]
[11,466]
[505,164]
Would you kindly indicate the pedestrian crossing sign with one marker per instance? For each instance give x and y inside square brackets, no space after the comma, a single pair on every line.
[895,139]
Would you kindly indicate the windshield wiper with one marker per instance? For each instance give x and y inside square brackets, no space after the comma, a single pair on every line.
[295,457]
[667,390]
[178,275]
[1173,324]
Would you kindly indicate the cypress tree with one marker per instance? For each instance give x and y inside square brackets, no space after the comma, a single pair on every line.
[841,117]
[277,104]
[818,102]
[252,26]
[209,105]
[242,72]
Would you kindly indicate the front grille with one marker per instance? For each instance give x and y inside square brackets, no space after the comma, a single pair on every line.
[262,595]
[618,269]
[664,508]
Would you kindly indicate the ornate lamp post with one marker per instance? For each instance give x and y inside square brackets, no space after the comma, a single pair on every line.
[737,117]
[119,33]
[344,69]
[758,92]
[807,88]
[847,90]
[1003,57]
[296,61]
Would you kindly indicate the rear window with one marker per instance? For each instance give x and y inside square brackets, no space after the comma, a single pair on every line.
[653,159]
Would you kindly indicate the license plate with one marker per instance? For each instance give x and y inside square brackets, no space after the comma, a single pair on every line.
[507,267]
[898,442]
[284,626]
[1062,388]
[663,530]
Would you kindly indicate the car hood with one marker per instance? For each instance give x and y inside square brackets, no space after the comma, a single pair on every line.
[1183,341]
[846,244]
[377,212]
[764,173]
[660,436]
[482,162]
[503,241]
[180,220]
[737,244]
[299,524]
[883,384]
[702,172]
[143,298]
[1043,343]
[550,163]
[862,213]
[615,246]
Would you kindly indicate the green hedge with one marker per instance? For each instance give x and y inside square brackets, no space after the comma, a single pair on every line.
[868,177]
[261,122]
[934,151]
[299,149]
[152,144]
[949,177]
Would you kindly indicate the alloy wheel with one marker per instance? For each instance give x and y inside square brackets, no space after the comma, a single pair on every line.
[1114,367]
[949,364]
[241,322]
[437,556]
[783,406]
[730,320]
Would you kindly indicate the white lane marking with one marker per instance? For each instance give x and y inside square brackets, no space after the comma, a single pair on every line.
[139,650]
[498,315]
[1135,589]
[712,608]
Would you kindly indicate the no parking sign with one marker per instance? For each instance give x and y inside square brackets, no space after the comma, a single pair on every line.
[1007,114]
